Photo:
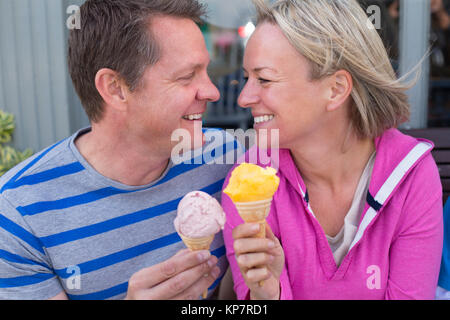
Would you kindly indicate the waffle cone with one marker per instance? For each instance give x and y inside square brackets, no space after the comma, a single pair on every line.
[195,244]
[255,212]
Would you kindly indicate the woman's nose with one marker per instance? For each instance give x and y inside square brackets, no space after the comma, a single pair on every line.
[248,96]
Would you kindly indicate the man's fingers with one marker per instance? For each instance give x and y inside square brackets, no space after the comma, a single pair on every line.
[182,252]
[196,290]
[181,282]
[183,260]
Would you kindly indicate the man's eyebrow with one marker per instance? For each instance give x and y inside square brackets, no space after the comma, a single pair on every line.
[192,66]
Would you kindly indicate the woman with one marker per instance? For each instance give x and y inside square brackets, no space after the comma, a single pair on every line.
[358,213]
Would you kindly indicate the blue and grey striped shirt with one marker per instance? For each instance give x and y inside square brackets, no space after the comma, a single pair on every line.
[65,227]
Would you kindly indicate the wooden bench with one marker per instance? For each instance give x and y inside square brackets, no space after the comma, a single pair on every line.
[441,152]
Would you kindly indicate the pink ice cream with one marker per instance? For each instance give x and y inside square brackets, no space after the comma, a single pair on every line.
[199,215]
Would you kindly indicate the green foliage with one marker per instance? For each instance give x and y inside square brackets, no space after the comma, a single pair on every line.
[6,126]
[9,157]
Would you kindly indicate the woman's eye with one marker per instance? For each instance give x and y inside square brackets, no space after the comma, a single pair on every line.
[261,80]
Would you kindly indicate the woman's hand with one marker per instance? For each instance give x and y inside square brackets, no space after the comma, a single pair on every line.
[259,260]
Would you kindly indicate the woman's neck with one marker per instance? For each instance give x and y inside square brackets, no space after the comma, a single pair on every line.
[328,162]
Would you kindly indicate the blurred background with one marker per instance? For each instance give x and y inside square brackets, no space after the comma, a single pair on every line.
[35,86]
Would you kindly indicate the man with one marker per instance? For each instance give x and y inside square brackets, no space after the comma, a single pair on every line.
[91,217]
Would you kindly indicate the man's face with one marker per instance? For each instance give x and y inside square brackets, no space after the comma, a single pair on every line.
[175,91]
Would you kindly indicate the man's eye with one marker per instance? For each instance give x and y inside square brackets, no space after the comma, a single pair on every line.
[188,77]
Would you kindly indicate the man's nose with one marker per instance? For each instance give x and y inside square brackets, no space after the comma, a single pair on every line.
[208,91]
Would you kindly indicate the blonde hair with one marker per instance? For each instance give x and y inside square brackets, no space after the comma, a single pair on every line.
[337,35]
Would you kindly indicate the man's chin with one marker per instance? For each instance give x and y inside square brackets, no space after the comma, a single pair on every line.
[196,134]
[199,142]
[189,137]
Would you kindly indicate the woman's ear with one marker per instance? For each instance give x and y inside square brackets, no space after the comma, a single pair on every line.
[341,84]
[112,89]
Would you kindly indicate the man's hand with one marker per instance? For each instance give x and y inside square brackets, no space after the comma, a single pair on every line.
[183,277]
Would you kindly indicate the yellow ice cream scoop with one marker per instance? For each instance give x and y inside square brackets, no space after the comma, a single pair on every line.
[250,182]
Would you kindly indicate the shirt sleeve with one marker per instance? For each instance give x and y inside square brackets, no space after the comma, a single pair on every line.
[442,294]
[25,272]
[415,253]
[240,288]
[444,274]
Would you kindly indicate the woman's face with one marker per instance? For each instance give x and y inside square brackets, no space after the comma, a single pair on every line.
[278,90]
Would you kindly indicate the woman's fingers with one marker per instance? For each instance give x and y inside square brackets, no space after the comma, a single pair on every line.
[276,249]
[251,260]
[245,230]
[250,245]
[260,260]
[269,233]
[245,243]
[256,275]
[252,254]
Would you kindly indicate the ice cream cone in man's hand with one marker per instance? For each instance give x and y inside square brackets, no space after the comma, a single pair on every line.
[199,218]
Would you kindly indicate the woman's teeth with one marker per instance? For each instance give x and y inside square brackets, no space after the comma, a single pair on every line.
[263,118]
[192,117]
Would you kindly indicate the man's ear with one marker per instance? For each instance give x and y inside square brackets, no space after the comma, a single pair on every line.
[111,88]
[341,86]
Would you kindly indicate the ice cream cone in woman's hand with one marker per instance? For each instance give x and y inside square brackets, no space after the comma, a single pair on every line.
[251,188]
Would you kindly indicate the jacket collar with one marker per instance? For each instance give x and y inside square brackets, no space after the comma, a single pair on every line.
[396,155]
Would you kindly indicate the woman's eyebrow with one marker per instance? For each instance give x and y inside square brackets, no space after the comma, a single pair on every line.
[259,69]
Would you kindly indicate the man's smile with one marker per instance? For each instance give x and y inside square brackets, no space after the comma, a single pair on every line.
[195,116]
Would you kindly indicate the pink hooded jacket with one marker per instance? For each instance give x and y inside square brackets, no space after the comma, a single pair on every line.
[397,250]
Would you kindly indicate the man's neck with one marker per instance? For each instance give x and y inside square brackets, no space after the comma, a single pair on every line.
[121,159]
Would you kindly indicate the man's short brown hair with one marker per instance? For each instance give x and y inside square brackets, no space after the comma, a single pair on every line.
[115,34]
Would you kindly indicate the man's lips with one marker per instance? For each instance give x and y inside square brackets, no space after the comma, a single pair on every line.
[194,116]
